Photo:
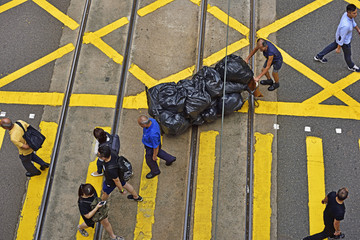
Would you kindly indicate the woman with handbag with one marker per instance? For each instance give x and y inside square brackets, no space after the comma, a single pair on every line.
[93,210]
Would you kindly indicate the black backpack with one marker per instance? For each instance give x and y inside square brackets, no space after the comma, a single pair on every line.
[113,143]
[32,137]
[124,167]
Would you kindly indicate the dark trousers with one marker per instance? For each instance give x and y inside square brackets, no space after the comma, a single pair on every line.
[28,165]
[153,164]
[99,165]
[327,232]
[346,49]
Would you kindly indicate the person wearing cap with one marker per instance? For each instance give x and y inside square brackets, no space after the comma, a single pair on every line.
[152,142]
[26,153]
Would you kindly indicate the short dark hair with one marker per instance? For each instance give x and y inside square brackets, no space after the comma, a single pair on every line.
[350,8]
[342,194]
[86,189]
[104,151]
[100,135]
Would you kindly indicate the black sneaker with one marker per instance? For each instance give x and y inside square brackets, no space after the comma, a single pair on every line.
[322,60]
[139,199]
[83,232]
[267,82]
[274,86]
[151,175]
[354,69]
[45,166]
[169,163]
[342,235]
[28,174]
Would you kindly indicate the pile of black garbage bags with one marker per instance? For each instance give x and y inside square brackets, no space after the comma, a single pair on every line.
[177,106]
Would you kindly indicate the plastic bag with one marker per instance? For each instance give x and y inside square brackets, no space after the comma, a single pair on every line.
[233,102]
[172,97]
[173,123]
[233,87]
[213,82]
[210,114]
[198,121]
[152,94]
[237,70]
[197,98]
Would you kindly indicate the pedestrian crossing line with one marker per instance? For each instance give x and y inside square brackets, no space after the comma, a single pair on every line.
[37,64]
[56,13]
[2,135]
[316,183]
[204,186]
[145,213]
[10,5]
[97,184]
[333,89]
[262,186]
[153,7]
[36,185]
[292,17]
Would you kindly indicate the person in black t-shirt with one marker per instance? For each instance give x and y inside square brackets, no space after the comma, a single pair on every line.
[333,214]
[113,176]
[102,137]
[87,194]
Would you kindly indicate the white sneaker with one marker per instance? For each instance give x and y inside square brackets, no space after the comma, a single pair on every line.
[354,69]
[96,174]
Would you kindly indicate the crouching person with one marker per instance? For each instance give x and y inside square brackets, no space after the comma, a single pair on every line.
[93,210]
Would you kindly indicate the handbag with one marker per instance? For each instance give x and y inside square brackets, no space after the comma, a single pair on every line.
[32,137]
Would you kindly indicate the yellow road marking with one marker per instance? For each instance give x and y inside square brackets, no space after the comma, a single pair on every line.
[35,190]
[333,89]
[2,134]
[197,2]
[10,5]
[292,17]
[145,212]
[355,2]
[262,186]
[300,67]
[223,17]
[112,26]
[204,186]
[37,64]
[56,13]
[316,183]
[97,184]
[152,7]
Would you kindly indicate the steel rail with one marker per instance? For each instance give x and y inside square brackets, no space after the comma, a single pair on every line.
[194,132]
[250,134]
[121,90]
[60,129]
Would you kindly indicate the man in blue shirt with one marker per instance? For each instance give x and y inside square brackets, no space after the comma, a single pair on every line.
[343,38]
[152,142]
[273,58]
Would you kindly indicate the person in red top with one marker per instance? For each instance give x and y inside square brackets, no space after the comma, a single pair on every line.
[26,153]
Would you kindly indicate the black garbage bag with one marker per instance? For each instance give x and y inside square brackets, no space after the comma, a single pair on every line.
[238,70]
[233,102]
[213,82]
[172,97]
[197,98]
[173,123]
[233,87]
[198,121]
[152,94]
[210,114]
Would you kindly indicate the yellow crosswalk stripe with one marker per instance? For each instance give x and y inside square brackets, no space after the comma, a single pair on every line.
[316,183]
[204,186]
[56,13]
[152,7]
[97,184]
[262,186]
[10,5]
[35,190]
[2,135]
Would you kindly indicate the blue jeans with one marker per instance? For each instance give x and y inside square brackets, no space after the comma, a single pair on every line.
[99,164]
[346,49]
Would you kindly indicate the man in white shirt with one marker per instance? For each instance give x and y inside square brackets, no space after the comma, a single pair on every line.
[343,38]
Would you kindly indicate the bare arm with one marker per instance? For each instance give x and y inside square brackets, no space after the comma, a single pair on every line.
[337,227]
[357,29]
[118,185]
[325,200]
[92,212]
[266,69]
[251,54]
[155,153]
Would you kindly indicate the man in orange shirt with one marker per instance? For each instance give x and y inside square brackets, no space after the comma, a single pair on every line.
[26,153]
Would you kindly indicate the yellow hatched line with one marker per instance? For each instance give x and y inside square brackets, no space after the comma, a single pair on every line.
[262,186]
[355,2]
[30,210]
[292,17]
[97,184]
[333,89]
[111,27]
[2,134]
[37,64]
[300,67]
[204,186]
[145,212]
[316,183]
[56,13]
[197,2]
[10,5]
[152,7]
